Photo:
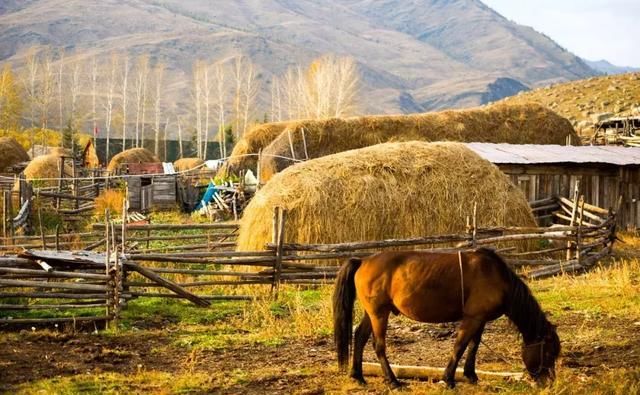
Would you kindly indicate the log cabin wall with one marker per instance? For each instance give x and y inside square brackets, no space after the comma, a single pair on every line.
[601,185]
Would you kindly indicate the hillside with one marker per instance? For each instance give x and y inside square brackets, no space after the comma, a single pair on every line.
[582,101]
[414,55]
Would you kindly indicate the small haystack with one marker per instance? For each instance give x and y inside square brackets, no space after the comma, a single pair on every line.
[44,169]
[244,154]
[185,164]
[392,190]
[515,124]
[11,153]
[133,155]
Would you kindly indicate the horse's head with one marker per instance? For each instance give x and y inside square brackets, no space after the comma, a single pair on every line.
[540,356]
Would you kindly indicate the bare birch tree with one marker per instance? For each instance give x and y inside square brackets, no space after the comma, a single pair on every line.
[249,93]
[124,93]
[237,98]
[30,83]
[157,106]
[94,94]
[221,94]
[60,85]
[197,101]
[109,101]
[47,89]
[74,89]
[142,70]
[206,96]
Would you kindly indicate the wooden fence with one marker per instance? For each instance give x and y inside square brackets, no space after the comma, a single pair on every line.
[198,262]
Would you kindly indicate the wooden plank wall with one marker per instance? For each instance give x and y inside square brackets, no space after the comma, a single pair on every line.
[601,186]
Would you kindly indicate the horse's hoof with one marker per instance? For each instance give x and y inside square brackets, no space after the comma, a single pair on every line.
[359,378]
[394,385]
[472,377]
[451,383]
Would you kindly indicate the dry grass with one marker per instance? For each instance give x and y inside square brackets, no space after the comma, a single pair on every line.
[111,199]
[516,124]
[393,190]
[244,154]
[579,100]
[11,153]
[133,155]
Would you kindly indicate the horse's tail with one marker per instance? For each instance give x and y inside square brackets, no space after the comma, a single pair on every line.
[344,296]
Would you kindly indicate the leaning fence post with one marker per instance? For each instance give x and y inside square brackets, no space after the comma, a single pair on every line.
[579,233]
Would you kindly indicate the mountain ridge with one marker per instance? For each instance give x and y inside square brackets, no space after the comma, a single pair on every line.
[406,49]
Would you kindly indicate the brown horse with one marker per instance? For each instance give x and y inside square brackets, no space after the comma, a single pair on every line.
[471,287]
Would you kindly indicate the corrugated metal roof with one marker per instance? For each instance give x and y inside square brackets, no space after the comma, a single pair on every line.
[541,154]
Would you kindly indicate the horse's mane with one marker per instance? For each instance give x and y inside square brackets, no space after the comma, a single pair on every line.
[520,305]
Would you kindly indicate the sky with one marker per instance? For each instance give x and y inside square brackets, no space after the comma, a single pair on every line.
[591,29]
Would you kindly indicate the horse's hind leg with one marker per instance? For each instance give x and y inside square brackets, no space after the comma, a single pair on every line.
[363,332]
[379,326]
[466,331]
[470,362]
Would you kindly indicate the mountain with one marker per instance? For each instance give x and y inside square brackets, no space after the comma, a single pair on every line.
[414,55]
[606,67]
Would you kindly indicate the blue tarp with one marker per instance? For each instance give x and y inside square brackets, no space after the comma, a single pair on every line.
[208,196]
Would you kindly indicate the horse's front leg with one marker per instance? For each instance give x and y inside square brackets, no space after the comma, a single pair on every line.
[466,331]
[470,362]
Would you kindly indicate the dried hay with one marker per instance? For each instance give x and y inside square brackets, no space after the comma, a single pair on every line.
[11,153]
[43,169]
[185,164]
[392,190]
[133,155]
[515,124]
[245,153]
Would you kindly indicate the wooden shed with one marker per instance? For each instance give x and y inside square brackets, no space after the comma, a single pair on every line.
[150,187]
[604,173]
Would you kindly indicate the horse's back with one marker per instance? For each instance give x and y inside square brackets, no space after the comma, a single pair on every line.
[427,286]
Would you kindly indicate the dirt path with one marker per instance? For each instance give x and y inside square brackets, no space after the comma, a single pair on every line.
[299,365]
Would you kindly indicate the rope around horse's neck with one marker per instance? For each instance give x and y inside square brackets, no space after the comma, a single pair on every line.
[461,279]
[501,357]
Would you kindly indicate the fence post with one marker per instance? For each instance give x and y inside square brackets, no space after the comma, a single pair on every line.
[574,213]
[279,217]
[579,232]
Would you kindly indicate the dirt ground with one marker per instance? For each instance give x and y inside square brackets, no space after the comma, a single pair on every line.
[298,365]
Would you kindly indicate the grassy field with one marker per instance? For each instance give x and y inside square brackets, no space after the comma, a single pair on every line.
[166,347]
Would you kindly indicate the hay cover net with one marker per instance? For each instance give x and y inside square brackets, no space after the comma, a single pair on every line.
[392,190]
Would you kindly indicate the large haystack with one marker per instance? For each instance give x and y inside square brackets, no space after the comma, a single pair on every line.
[45,169]
[133,155]
[11,153]
[185,164]
[392,190]
[244,154]
[515,124]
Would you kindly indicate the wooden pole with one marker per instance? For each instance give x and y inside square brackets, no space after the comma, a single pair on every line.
[61,176]
[431,373]
[107,257]
[576,191]
[579,233]
[4,216]
[57,237]
[282,216]
[44,242]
